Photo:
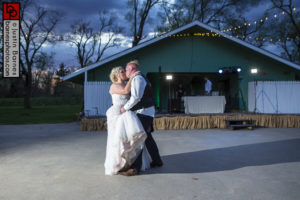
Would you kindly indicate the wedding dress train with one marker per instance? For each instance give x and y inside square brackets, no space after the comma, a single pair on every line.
[125,138]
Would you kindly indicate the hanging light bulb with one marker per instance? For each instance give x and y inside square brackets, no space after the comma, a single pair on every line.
[275,15]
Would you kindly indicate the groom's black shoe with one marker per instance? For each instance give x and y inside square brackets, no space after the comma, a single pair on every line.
[129,172]
[154,164]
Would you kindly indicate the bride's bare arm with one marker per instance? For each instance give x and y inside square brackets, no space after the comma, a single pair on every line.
[128,85]
[120,89]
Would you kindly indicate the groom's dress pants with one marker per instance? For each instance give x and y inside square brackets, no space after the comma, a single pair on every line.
[147,123]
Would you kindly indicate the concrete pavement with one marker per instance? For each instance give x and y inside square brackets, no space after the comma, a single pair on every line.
[57,161]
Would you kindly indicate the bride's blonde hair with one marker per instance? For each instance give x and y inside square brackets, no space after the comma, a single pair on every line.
[115,73]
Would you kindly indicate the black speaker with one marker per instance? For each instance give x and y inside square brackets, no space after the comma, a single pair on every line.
[174,105]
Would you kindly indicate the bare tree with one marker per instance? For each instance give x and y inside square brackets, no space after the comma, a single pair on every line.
[37,26]
[90,43]
[137,16]
[109,30]
[185,11]
[84,39]
[212,12]
[253,33]
[288,29]
[42,73]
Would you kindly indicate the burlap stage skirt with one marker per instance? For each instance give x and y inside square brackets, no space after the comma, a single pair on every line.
[204,121]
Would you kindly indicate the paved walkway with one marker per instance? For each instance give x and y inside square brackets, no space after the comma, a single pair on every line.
[57,161]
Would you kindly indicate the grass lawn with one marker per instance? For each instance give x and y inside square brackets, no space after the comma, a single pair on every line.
[38,114]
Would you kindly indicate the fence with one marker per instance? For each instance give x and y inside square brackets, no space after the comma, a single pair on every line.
[96,98]
[274,97]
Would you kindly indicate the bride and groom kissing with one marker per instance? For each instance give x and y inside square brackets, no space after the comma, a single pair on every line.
[130,145]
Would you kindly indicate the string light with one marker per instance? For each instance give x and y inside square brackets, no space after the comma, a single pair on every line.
[255,22]
[294,9]
[211,33]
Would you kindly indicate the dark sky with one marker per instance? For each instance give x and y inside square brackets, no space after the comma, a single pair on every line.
[88,10]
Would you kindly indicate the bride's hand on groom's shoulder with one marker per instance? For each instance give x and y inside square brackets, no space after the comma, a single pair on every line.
[135,74]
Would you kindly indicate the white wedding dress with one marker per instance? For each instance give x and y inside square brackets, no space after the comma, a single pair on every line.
[125,138]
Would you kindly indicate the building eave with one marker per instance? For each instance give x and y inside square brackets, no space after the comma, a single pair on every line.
[178,30]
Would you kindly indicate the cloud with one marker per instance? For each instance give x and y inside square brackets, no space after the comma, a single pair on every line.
[66,53]
[87,10]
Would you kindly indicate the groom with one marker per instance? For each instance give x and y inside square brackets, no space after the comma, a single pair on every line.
[142,102]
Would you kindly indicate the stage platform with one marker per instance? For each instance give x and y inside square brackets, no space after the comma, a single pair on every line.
[203,121]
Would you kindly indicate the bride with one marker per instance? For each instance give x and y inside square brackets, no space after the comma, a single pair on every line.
[126,136]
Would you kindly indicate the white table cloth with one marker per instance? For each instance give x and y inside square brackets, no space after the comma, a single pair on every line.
[204,104]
